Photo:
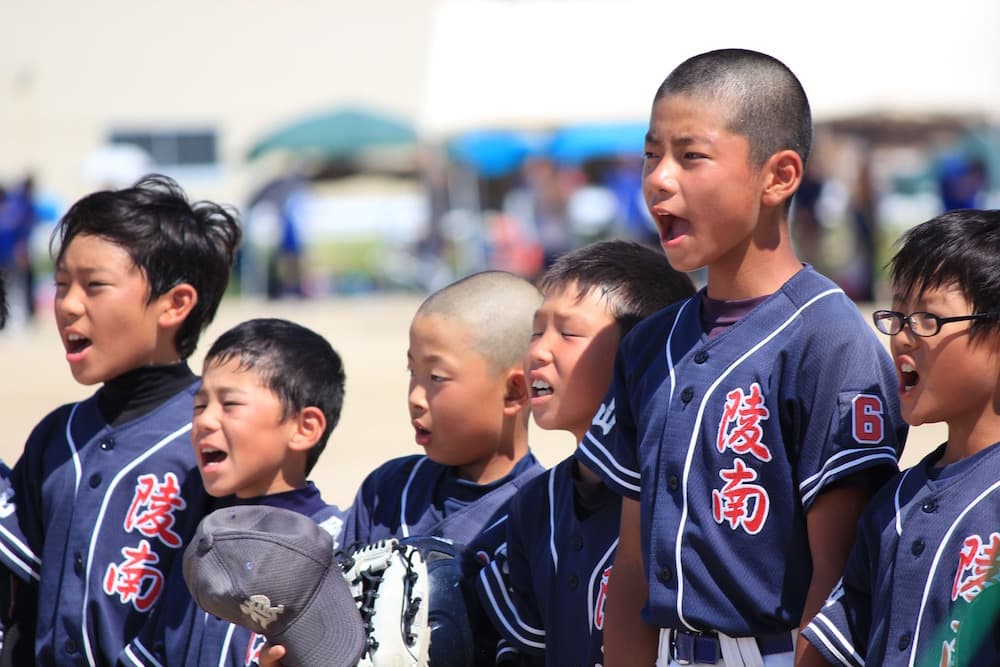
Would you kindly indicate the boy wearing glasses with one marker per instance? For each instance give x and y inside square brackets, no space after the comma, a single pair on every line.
[929,543]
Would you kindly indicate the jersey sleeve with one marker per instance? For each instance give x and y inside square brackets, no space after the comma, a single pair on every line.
[21,525]
[609,448]
[847,411]
[357,518]
[504,589]
[841,629]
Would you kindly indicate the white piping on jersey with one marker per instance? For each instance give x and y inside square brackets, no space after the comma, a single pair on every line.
[25,567]
[77,468]
[887,453]
[224,653]
[495,523]
[934,564]
[402,501]
[692,444]
[136,660]
[552,520]
[835,650]
[833,459]
[494,572]
[591,600]
[607,471]
[895,502]
[25,552]
[88,649]
[149,658]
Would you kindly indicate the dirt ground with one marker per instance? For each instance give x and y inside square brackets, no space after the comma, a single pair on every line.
[369,332]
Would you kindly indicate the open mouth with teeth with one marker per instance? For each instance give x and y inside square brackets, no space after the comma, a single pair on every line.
[211,457]
[76,343]
[540,388]
[908,376]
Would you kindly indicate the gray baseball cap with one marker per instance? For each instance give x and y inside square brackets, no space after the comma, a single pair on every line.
[273,571]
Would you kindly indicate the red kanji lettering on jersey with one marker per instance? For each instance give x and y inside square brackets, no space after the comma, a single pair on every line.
[135,581]
[866,419]
[740,428]
[254,649]
[741,504]
[977,566]
[153,506]
[602,596]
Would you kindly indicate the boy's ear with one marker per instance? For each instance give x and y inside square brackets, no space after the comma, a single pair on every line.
[782,176]
[516,395]
[309,426]
[176,304]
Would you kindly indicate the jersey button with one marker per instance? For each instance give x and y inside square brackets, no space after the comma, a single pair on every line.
[687,394]
[904,641]
[108,445]
[673,483]
[701,357]
[78,565]
[70,646]
[917,547]
[576,542]
[929,506]
[665,576]
[574,581]
[95,480]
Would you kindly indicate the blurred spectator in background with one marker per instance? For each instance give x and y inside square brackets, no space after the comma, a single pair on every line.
[963,182]
[541,201]
[18,217]
[864,218]
[624,179]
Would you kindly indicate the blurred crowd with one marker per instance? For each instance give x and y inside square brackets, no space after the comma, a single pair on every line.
[18,217]
[516,200]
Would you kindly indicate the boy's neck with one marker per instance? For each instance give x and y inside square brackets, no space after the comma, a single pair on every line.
[766,263]
[965,441]
[513,447]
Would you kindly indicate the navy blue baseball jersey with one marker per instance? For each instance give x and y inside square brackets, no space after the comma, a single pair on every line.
[928,545]
[101,514]
[545,590]
[184,635]
[414,496]
[727,441]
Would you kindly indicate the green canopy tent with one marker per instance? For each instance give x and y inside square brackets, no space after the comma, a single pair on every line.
[337,136]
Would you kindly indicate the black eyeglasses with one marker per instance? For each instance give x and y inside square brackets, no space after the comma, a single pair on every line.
[890,322]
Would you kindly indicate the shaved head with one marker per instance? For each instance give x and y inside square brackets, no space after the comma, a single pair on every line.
[496,308]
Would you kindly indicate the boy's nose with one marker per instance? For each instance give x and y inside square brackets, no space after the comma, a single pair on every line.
[68,304]
[662,177]
[538,352]
[417,397]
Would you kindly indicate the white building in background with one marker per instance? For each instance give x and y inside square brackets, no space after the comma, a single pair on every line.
[197,82]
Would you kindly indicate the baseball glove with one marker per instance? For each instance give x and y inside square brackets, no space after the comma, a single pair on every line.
[410,596]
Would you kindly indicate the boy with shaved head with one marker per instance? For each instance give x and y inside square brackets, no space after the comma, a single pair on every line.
[469,406]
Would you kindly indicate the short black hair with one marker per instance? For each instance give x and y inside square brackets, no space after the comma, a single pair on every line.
[764,100]
[960,248]
[296,363]
[634,280]
[171,240]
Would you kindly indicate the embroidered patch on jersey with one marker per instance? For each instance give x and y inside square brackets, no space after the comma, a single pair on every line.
[977,567]
[605,417]
[254,649]
[602,596]
[867,420]
[739,503]
[153,506]
[134,580]
[740,427]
